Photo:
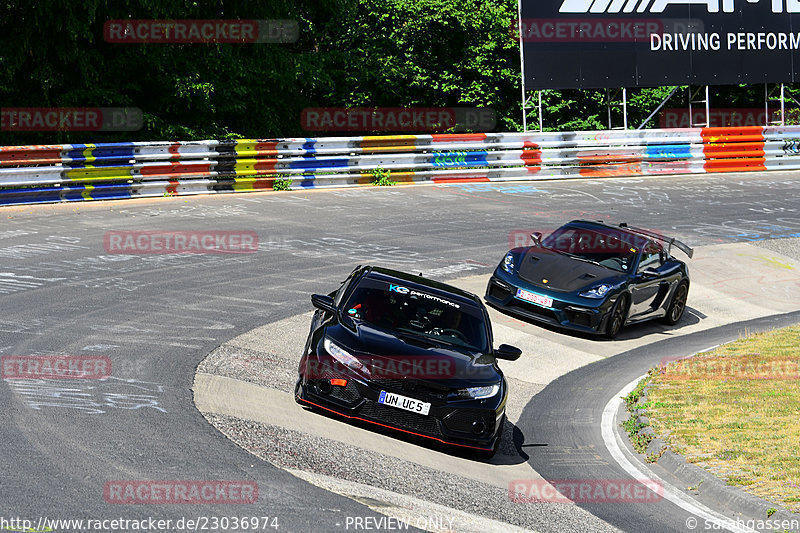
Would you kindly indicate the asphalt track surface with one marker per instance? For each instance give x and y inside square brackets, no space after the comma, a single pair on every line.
[157,316]
[567,414]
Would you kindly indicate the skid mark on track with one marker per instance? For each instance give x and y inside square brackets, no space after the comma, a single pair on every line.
[89,397]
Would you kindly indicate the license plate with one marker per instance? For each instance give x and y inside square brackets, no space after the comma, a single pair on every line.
[404,402]
[538,299]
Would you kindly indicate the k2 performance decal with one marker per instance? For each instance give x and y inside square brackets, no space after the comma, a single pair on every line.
[405,290]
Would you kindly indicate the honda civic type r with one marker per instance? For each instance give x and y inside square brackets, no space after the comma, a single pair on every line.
[407,353]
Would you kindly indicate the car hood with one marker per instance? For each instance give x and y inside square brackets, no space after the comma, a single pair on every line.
[389,357]
[546,268]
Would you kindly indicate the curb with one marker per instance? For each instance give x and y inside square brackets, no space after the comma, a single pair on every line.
[697,480]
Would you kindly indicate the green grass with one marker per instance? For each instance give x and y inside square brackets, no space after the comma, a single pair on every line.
[734,411]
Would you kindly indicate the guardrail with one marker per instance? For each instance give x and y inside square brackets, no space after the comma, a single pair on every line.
[77,172]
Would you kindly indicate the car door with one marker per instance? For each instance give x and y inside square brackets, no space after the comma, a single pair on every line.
[646,284]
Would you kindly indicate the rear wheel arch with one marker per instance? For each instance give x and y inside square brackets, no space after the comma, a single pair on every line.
[677,305]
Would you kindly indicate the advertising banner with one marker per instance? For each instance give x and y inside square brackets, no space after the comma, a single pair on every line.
[651,43]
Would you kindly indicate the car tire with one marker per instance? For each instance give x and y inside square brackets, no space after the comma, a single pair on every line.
[678,304]
[616,319]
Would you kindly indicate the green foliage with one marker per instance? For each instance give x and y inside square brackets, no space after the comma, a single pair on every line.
[639,442]
[282,183]
[351,53]
[382,177]
[637,393]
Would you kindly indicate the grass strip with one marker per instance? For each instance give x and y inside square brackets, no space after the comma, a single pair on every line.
[734,411]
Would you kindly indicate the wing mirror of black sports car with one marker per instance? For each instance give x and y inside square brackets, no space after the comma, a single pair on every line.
[536,237]
[650,273]
[507,352]
[321,301]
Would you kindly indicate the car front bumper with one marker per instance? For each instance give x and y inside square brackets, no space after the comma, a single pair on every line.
[575,313]
[452,423]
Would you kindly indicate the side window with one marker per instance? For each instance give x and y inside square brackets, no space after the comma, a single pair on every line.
[651,256]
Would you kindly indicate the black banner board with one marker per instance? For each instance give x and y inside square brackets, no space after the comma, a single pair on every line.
[652,43]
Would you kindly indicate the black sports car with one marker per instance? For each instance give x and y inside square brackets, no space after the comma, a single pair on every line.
[408,353]
[593,277]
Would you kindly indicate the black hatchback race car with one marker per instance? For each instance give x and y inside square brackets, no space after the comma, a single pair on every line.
[407,353]
[593,277]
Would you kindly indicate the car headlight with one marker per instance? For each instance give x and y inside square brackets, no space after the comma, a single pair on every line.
[508,263]
[478,393]
[597,292]
[343,356]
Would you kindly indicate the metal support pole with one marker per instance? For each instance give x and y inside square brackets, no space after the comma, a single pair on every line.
[524,115]
[608,106]
[766,104]
[625,108]
[661,105]
[783,105]
[522,65]
[541,114]
[691,109]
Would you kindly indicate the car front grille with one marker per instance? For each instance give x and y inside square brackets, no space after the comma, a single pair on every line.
[416,388]
[347,394]
[536,309]
[498,292]
[462,419]
[399,418]
[579,318]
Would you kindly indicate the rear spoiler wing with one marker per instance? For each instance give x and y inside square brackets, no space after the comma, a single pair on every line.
[670,241]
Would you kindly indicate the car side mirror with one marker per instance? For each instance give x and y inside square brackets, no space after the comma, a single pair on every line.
[507,352]
[650,273]
[324,302]
[536,237]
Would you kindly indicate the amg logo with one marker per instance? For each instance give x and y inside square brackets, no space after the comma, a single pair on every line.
[658,6]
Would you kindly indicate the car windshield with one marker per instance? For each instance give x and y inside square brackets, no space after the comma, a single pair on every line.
[608,247]
[415,314]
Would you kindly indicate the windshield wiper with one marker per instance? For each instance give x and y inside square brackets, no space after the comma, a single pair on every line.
[585,259]
[578,257]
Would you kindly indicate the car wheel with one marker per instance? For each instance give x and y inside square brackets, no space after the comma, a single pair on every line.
[678,304]
[617,317]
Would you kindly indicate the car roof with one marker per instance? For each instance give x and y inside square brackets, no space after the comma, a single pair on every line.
[596,224]
[600,224]
[422,283]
